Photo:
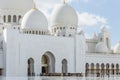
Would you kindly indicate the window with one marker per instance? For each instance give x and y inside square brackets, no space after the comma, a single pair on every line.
[3,28]
[14,18]
[42,32]
[36,32]
[9,18]
[4,18]
[100,39]
[33,32]
[19,17]
[39,32]
[107,42]
[30,32]
[54,29]
[63,35]
[70,35]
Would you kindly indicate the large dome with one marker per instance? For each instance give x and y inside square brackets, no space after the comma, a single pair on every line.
[34,19]
[117,48]
[16,4]
[65,15]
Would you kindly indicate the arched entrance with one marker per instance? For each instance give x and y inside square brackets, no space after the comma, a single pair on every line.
[48,63]
[31,67]
[64,66]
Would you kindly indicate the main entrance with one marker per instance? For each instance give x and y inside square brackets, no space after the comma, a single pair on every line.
[48,63]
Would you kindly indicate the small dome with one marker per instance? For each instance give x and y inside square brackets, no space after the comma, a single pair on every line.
[81,32]
[117,48]
[101,47]
[104,29]
[64,15]
[34,19]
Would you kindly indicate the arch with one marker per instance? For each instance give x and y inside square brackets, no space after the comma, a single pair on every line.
[9,18]
[39,32]
[97,68]
[31,67]
[117,69]
[87,66]
[92,68]
[33,32]
[48,63]
[87,69]
[102,69]
[29,32]
[64,66]
[70,35]
[112,69]
[36,32]
[14,18]
[19,17]
[107,68]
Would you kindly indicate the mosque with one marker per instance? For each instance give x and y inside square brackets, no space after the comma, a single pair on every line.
[28,47]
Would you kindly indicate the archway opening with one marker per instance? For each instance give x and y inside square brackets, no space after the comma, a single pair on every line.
[117,69]
[45,64]
[112,69]
[87,69]
[64,66]
[14,18]
[92,68]
[31,67]
[107,69]
[9,18]
[98,69]
[102,69]
[48,63]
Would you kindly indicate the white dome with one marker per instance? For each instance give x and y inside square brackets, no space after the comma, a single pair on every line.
[34,19]
[101,47]
[16,4]
[104,29]
[64,15]
[117,48]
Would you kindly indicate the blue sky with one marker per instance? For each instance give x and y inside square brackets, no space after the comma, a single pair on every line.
[98,11]
[108,9]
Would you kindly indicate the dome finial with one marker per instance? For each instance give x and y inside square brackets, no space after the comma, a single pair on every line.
[34,7]
[64,1]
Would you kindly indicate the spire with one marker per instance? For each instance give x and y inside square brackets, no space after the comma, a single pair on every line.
[64,1]
[34,6]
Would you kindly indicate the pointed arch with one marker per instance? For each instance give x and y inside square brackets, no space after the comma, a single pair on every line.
[14,18]
[31,67]
[9,18]
[64,66]
[48,63]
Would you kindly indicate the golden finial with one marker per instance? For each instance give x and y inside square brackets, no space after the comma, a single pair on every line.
[34,7]
[64,1]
